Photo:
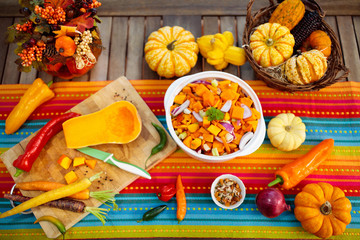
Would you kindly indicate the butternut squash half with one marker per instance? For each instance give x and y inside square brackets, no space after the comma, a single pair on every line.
[117,123]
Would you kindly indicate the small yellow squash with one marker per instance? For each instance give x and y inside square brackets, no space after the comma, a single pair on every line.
[286,132]
[171,51]
[117,123]
[308,67]
[288,13]
[271,44]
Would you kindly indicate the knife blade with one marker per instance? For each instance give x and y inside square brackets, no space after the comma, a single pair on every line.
[110,159]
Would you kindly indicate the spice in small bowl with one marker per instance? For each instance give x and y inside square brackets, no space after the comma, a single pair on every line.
[228,191]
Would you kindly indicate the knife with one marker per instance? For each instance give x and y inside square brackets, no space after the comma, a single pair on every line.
[109,158]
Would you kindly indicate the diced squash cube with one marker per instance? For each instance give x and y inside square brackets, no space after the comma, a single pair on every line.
[203,130]
[228,94]
[197,106]
[187,141]
[208,99]
[195,143]
[219,146]
[208,137]
[187,89]
[214,129]
[201,89]
[237,112]
[193,127]
[247,101]
[79,161]
[64,161]
[226,116]
[91,163]
[180,99]
[206,122]
[70,177]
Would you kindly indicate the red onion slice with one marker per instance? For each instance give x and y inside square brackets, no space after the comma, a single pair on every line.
[247,111]
[228,126]
[176,111]
[226,106]
[245,139]
[197,116]
[202,81]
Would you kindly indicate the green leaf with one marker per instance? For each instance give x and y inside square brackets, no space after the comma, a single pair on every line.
[42,28]
[10,34]
[214,114]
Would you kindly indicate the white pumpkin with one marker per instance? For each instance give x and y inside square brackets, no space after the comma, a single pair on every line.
[286,132]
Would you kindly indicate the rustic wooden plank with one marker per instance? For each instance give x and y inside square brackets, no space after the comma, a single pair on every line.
[4,24]
[135,51]
[210,26]
[356,20]
[28,78]
[246,71]
[151,24]
[45,76]
[10,73]
[190,23]
[228,24]
[118,48]
[189,7]
[349,47]
[99,72]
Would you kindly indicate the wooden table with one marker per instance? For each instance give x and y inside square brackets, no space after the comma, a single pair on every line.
[127,24]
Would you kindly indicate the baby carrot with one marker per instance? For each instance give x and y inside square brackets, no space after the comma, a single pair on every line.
[180,199]
[52,195]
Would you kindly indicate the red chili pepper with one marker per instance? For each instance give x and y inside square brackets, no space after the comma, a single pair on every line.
[166,192]
[25,161]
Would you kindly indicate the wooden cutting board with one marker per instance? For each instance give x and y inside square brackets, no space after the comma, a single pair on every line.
[136,152]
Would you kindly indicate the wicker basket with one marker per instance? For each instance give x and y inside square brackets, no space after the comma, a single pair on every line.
[272,76]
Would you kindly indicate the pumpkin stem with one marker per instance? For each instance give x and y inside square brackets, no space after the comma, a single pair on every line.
[171,45]
[326,208]
[269,42]
[288,128]
[61,50]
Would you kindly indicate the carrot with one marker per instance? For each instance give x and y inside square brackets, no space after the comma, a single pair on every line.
[48,186]
[65,204]
[52,195]
[180,200]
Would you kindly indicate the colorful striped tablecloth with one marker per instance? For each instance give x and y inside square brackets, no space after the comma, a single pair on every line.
[333,112]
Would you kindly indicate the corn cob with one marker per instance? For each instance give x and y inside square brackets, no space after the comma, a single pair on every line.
[309,23]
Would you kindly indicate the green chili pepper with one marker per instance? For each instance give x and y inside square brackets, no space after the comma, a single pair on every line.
[54,221]
[161,145]
[149,215]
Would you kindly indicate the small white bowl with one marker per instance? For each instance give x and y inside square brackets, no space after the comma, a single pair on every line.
[232,177]
[180,83]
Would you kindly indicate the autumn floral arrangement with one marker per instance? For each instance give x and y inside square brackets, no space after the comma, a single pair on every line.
[57,36]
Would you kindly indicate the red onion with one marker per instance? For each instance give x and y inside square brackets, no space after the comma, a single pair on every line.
[247,111]
[228,126]
[181,108]
[271,202]
[226,106]
[202,81]
[197,116]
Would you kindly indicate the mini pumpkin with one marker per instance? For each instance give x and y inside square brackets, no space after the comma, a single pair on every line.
[306,68]
[271,44]
[286,131]
[322,209]
[171,51]
[65,45]
[318,40]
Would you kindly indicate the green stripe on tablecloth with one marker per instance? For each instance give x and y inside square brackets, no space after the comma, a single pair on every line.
[175,231]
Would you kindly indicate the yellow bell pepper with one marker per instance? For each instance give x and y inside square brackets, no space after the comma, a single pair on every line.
[35,95]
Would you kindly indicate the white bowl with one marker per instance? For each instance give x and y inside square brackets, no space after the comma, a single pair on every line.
[180,83]
[232,177]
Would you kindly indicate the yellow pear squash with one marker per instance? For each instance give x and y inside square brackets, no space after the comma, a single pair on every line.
[271,44]
[117,123]
[171,51]
[286,132]
[322,209]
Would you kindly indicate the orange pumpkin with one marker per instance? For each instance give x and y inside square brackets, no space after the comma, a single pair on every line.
[318,40]
[322,209]
[65,46]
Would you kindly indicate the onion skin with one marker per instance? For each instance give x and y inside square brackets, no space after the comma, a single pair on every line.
[271,202]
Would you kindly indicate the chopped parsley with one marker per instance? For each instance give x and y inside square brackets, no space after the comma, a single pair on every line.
[214,114]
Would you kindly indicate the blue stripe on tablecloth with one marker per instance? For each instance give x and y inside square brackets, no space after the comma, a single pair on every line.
[201,211]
